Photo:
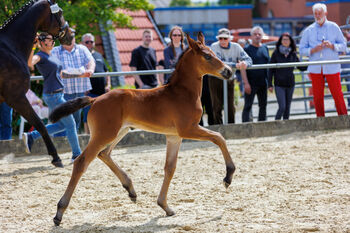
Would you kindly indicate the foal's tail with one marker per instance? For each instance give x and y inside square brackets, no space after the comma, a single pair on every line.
[70,107]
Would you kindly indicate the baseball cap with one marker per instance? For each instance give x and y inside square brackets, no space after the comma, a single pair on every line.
[224,33]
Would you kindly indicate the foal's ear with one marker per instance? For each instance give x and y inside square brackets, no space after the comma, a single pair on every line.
[191,43]
[200,38]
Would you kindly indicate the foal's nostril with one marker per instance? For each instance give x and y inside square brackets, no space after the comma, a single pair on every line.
[226,73]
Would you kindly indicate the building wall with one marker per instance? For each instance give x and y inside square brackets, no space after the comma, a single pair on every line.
[283,8]
[240,18]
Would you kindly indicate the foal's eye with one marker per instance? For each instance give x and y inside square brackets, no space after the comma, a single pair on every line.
[207,56]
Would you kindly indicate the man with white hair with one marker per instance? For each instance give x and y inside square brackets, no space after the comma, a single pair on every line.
[323,40]
[256,81]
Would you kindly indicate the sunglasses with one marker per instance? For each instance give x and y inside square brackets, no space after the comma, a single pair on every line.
[222,38]
[89,42]
[179,35]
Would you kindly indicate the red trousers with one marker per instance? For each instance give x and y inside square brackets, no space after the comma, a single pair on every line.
[318,84]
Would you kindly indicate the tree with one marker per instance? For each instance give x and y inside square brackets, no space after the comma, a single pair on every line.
[180,3]
[84,15]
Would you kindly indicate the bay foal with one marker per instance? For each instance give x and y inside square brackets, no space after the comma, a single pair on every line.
[173,110]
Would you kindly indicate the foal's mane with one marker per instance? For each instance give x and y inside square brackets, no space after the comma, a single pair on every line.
[17,14]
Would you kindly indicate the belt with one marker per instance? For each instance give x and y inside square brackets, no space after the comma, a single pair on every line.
[56,91]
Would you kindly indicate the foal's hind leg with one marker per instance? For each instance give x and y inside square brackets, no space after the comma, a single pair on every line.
[80,165]
[22,106]
[105,156]
[173,145]
[200,133]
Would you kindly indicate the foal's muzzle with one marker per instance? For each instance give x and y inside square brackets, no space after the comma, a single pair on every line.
[227,72]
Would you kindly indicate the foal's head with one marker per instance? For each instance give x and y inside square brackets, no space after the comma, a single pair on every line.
[206,60]
[55,23]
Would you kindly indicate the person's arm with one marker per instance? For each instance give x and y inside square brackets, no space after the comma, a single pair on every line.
[137,77]
[272,71]
[33,59]
[160,77]
[247,88]
[108,84]
[90,68]
[243,60]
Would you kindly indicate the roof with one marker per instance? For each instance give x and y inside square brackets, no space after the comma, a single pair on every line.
[128,39]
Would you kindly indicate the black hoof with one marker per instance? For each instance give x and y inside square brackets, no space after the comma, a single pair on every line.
[56,221]
[133,199]
[57,163]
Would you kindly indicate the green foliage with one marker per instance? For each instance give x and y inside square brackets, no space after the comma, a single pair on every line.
[233,2]
[84,15]
[181,3]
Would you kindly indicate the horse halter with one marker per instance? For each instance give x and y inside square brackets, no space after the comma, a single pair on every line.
[55,9]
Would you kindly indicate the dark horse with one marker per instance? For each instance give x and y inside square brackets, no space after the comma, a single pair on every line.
[17,35]
[173,110]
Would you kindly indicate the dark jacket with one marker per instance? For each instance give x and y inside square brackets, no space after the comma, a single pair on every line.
[283,77]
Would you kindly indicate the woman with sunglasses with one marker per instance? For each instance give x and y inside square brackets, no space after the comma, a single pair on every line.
[283,78]
[50,69]
[174,50]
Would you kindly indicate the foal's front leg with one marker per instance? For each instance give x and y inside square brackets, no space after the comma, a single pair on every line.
[200,133]
[173,145]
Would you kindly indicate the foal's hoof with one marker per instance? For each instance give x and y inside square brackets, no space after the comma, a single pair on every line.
[56,221]
[133,198]
[226,184]
[169,212]
[57,163]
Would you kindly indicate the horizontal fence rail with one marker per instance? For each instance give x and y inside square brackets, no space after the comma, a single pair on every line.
[253,67]
[304,84]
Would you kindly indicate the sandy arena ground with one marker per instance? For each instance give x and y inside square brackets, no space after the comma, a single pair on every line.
[292,183]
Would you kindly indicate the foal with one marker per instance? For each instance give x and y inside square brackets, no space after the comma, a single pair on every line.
[173,110]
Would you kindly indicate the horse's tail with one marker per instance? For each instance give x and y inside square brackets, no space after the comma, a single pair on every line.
[70,107]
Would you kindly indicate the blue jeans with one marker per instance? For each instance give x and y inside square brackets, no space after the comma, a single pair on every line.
[5,122]
[284,99]
[77,114]
[65,124]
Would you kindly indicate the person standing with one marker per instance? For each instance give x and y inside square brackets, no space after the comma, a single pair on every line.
[74,57]
[256,81]
[50,68]
[323,40]
[144,58]
[226,51]
[174,50]
[284,80]
[99,85]
[5,121]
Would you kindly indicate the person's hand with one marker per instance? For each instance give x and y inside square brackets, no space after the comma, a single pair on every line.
[247,88]
[271,89]
[327,44]
[87,74]
[317,48]
[108,88]
[241,65]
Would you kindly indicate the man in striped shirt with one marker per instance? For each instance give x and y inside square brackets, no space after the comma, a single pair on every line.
[75,57]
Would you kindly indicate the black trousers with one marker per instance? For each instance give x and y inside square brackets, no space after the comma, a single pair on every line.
[261,92]
[206,102]
[217,99]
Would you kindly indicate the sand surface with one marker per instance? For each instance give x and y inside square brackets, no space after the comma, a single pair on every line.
[291,183]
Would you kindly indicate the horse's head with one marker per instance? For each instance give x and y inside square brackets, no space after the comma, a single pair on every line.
[207,61]
[58,27]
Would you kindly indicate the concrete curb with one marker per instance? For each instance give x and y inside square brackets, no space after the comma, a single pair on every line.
[231,131]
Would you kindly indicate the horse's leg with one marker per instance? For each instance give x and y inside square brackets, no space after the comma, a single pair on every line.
[200,133]
[80,165]
[23,107]
[105,156]
[173,145]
